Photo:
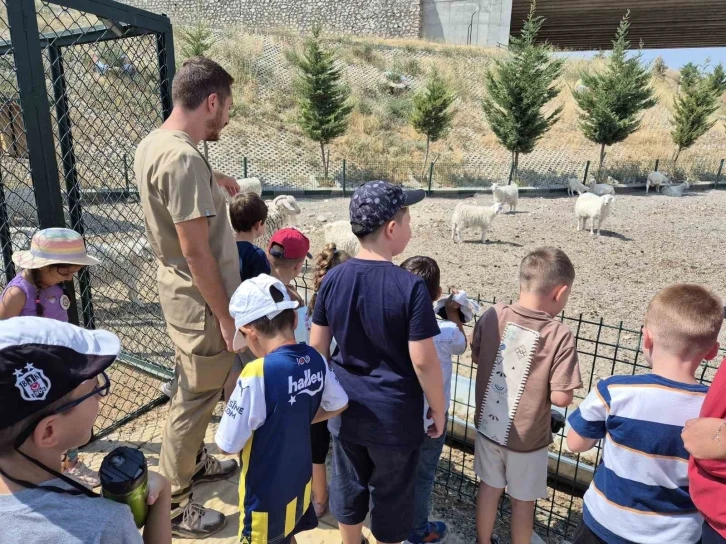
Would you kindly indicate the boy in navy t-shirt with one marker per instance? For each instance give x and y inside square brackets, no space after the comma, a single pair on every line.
[248,213]
[383,321]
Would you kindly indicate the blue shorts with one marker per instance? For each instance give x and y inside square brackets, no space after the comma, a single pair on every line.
[383,477]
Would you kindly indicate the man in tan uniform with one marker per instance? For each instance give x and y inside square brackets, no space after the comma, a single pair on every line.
[186,224]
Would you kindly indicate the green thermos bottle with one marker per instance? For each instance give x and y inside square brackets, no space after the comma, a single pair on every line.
[124,478]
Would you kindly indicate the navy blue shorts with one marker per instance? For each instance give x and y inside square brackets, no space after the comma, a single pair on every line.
[308,522]
[383,477]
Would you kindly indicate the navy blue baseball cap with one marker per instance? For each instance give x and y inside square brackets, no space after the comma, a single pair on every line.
[376,202]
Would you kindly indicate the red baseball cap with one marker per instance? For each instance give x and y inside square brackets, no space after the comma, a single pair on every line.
[295,245]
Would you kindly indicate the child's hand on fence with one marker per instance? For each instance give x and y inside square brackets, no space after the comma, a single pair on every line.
[705,438]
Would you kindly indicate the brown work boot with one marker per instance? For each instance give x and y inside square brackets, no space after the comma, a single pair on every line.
[195,521]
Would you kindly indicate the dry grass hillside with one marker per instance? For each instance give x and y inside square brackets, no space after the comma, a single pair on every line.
[264,128]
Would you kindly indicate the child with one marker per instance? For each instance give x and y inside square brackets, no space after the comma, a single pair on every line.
[52,375]
[640,491]
[54,257]
[526,360]
[248,213]
[451,341]
[382,319]
[268,418]
[287,251]
[319,434]
[705,440]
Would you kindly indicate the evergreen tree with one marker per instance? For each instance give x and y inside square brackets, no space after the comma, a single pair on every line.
[322,97]
[518,89]
[612,100]
[196,40]
[690,74]
[693,107]
[431,114]
[718,79]
[659,68]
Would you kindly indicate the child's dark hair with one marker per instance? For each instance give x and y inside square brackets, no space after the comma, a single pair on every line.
[246,210]
[427,269]
[544,269]
[284,321]
[330,257]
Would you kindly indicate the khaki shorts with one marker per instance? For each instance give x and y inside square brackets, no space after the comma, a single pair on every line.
[524,475]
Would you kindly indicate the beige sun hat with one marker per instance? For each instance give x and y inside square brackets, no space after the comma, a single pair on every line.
[54,246]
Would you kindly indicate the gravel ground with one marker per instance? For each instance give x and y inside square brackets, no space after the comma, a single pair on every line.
[647,243]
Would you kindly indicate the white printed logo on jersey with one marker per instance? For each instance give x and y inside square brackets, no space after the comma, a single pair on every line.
[304,386]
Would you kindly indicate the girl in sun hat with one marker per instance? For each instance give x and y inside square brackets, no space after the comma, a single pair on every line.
[54,257]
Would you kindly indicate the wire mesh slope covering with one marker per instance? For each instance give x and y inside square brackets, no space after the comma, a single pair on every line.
[81,83]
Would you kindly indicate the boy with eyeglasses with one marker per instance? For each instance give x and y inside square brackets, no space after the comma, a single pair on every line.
[51,377]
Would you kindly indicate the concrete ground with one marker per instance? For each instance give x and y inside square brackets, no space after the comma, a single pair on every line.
[145,434]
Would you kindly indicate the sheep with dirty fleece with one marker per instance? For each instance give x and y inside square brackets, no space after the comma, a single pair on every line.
[675,190]
[506,194]
[472,216]
[249,185]
[281,213]
[593,207]
[601,189]
[656,179]
[340,234]
[574,185]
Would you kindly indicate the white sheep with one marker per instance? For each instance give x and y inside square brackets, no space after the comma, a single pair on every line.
[656,179]
[601,189]
[122,260]
[506,194]
[467,215]
[574,186]
[340,234]
[281,213]
[675,190]
[612,181]
[592,207]
[249,185]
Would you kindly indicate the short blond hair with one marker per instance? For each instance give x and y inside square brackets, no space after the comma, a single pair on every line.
[685,318]
[544,269]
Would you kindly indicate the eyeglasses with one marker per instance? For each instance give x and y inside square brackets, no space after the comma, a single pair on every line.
[102,389]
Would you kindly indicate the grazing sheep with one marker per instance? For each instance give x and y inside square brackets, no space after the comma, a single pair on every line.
[656,179]
[467,215]
[601,189]
[123,260]
[340,234]
[280,214]
[250,185]
[675,190]
[574,186]
[592,207]
[506,194]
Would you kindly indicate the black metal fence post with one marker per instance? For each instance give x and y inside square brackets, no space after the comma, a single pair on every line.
[343,177]
[68,157]
[718,175]
[126,176]
[165,56]
[587,171]
[5,240]
[244,167]
[657,163]
[431,177]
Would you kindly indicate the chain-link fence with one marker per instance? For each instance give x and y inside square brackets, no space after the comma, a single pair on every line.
[344,175]
[81,83]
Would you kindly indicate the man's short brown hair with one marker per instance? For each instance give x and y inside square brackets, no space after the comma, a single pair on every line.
[246,210]
[197,79]
[685,318]
[544,269]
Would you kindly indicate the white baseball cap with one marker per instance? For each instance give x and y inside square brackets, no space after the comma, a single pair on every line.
[253,300]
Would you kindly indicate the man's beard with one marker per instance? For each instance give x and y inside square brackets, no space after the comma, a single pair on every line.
[214,127]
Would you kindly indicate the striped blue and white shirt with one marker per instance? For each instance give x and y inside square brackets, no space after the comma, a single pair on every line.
[640,490]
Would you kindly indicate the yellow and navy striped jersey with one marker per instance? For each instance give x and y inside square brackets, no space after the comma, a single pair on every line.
[268,420]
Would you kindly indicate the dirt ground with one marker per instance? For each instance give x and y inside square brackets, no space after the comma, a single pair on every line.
[647,243]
